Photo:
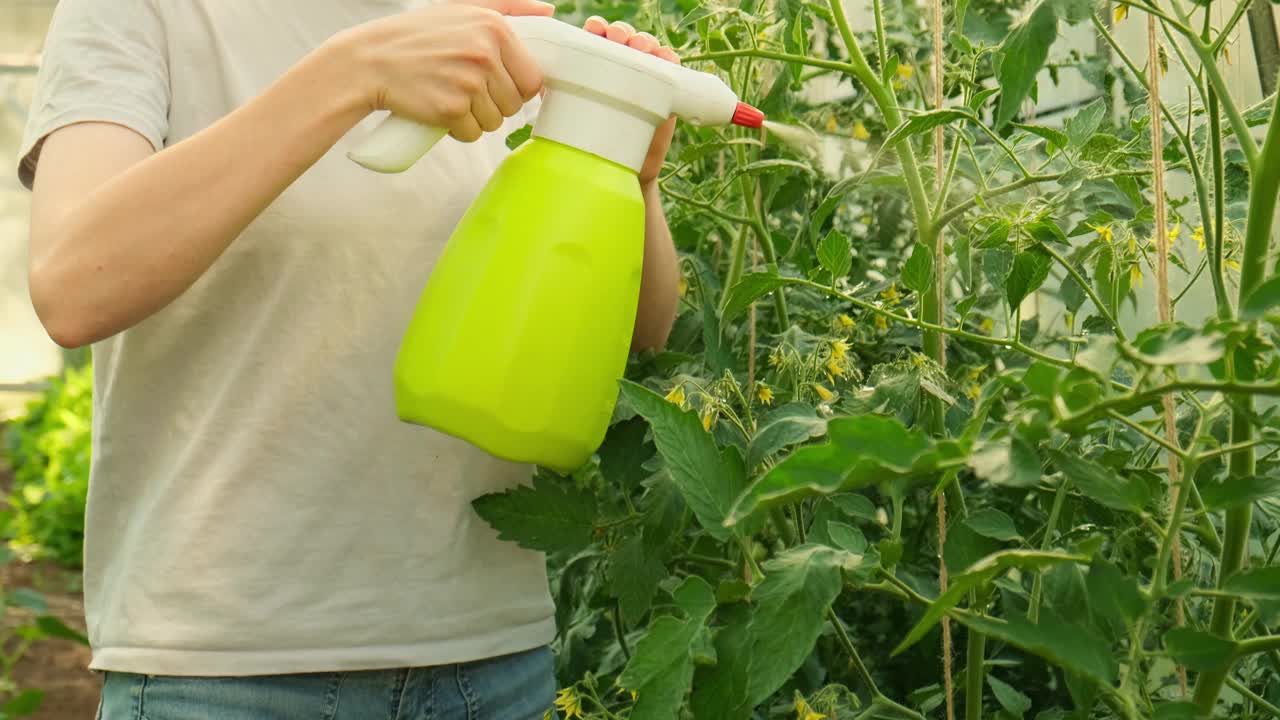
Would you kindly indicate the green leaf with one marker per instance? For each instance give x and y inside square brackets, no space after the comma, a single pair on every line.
[992,523]
[635,569]
[720,691]
[624,453]
[1022,54]
[917,272]
[1257,584]
[1008,462]
[855,505]
[790,611]
[1056,138]
[1198,650]
[966,548]
[1030,268]
[978,575]
[25,703]
[1237,492]
[661,669]
[787,425]
[926,121]
[709,480]
[1101,484]
[55,628]
[1046,231]
[997,235]
[835,254]
[1114,595]
[860,451]
[847,537]
[1009,697]
[997,263]
[1179,345]
[1081,126]
[1072,293]
[750,288]
[26,598]
[773,165]
[549,516]
[1072,647]
[1261,301]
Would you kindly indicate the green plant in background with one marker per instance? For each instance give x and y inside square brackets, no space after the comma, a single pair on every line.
[759,536]
[49,451]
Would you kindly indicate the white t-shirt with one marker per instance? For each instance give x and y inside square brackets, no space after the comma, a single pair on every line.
[255,505]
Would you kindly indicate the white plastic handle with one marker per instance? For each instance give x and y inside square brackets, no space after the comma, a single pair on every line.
[395,145]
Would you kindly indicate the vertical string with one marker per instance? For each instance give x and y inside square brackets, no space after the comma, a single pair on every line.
[1163,305]
[939,265]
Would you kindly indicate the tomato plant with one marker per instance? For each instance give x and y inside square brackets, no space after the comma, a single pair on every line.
[912,450]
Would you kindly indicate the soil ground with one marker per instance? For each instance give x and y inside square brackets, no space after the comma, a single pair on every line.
[57,667]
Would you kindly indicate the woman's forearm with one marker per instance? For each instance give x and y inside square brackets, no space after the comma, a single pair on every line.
[103,260]
[659,283]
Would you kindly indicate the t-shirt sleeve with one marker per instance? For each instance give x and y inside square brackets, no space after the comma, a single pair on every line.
[103,61]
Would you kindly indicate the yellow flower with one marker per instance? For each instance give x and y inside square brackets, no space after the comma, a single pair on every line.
[708,418]
[987,326]
[568,702]
[1174,231]
[805,712]
[1226,53]
[839,349]
[775,357]
[765,394]
[906,71]
[973,392]
[891,294]
[1121,12]
[1135,275]
[624,691]
[825,394]
[881,323]
[1234,265]
[860,131]
[845,321]
[1133,244]
[831,124]
[1104,232]
[835,369]
[1198,234]
[676,396]
[684,285]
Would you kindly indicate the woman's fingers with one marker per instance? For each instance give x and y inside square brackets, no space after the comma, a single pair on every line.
[644,42]
[486,112]
[667,54]
[620,32]
[596,24]
[504,93]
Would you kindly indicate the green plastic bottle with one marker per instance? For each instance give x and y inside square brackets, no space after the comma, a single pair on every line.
[524,326]
[521,334]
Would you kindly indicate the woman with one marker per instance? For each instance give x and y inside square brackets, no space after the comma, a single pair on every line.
[264,539]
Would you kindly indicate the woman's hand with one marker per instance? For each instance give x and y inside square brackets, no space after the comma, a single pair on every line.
[453,65]
[621,32]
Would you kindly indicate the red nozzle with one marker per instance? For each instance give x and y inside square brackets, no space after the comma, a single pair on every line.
[747,116]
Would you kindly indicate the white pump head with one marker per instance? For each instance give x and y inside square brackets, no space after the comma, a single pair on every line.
[601,97]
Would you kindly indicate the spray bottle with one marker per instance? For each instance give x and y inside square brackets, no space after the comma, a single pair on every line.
[523,329]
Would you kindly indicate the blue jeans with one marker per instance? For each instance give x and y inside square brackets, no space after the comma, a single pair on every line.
[514,687]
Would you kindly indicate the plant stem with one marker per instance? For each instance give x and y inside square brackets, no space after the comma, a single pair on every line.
[1262,206]
[1037,584]
[1209,63]
[975,669]
[1218,239]
[1255,645]
[1088,289]
[1253,696]
[1139,399]
[707,560]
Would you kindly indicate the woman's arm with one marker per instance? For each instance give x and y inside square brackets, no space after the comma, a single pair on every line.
[660,280]
[118,231]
